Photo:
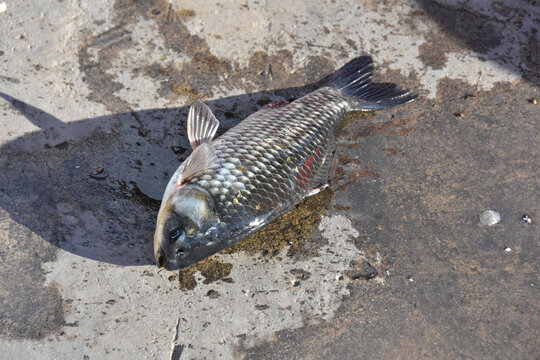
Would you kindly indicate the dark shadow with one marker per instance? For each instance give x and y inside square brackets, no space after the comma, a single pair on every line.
[507,34]
[93,187]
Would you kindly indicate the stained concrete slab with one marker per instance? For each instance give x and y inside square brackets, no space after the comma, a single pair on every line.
[94,100]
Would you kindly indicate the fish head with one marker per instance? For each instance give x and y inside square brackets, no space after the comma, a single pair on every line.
[187,226]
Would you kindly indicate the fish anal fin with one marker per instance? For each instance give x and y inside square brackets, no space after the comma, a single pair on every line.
[201,124]
[326,171]
[315,190]
[201,159]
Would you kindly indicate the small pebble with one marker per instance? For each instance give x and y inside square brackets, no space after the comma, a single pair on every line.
[490,218]
[507,249]
[410,278]
[3,7]
[301,274]
[367,271]
[100,174]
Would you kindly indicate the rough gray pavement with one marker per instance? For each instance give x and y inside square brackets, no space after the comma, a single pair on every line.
[93,103]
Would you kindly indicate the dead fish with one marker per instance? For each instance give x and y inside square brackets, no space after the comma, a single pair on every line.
[234,185]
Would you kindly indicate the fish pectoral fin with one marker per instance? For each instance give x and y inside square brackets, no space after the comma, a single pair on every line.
[201,159]
[201,124]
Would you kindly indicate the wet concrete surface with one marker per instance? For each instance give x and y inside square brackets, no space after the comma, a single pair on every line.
[94,101]
[454,288]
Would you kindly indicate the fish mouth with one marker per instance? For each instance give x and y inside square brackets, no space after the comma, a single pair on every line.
[163,262]
[161,259]
[185,256]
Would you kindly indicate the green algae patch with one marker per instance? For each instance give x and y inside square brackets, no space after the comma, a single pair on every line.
[348,119]
[292,228]
[210,268]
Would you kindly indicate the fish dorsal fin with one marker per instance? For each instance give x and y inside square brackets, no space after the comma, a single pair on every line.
[201,124]
[202,158]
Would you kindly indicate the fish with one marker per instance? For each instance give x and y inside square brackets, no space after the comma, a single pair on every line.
[233,185]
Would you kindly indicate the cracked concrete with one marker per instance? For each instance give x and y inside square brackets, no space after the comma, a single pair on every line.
[94,97]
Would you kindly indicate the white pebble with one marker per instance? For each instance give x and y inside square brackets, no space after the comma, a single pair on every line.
[490,218]
[3,7]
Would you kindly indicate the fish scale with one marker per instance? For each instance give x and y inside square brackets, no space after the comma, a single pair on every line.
[273,174]
[232,186]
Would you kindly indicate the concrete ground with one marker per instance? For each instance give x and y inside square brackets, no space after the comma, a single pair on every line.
[92,124]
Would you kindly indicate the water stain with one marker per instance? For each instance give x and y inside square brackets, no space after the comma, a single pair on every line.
[196,78]
[343,127]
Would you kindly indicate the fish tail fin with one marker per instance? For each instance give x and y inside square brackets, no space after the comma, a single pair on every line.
[354,81]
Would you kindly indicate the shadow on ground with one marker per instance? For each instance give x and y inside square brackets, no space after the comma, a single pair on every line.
[92,188]
[508,36]
[98,196]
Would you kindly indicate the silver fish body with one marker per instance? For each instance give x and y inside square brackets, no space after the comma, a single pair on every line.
[262,167]
[272,160]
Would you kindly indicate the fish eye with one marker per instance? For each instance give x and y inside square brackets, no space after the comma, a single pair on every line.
[176,235]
